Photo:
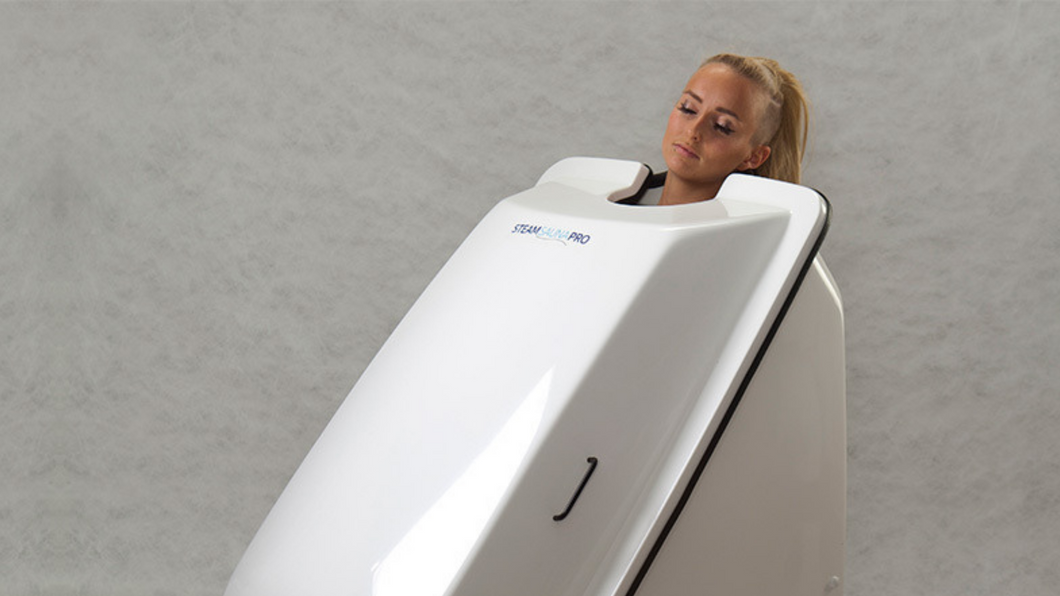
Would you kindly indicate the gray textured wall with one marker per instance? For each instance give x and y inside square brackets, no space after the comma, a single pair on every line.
[211,217]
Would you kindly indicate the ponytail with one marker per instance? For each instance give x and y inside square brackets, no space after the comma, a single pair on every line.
[786,124]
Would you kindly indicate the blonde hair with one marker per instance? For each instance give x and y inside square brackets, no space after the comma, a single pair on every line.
[786,123]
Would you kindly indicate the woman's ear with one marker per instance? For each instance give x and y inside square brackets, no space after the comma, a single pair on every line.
[758,156]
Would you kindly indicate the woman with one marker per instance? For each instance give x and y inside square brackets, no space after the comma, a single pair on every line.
[737,114]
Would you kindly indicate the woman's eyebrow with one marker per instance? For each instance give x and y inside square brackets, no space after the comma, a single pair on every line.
[729,112]
[722,110]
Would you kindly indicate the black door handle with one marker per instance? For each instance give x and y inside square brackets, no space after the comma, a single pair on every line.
[577,493]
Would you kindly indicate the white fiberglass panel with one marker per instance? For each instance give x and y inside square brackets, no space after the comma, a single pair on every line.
[564,327]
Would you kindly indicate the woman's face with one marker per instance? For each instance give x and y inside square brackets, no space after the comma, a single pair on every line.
[711,131]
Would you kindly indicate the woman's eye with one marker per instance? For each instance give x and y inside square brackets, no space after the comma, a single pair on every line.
[684,109]
[723,128]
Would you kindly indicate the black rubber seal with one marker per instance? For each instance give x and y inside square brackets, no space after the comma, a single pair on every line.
[652,181]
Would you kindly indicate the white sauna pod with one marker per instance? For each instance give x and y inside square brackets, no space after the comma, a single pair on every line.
[535,424]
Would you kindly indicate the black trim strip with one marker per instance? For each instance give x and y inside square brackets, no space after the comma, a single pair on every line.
[687,494]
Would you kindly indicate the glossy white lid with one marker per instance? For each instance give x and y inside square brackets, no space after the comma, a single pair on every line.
[565,327]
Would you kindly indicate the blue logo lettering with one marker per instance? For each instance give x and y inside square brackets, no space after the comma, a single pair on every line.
[548,233]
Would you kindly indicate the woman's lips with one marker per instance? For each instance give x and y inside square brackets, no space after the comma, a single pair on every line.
[685,151]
